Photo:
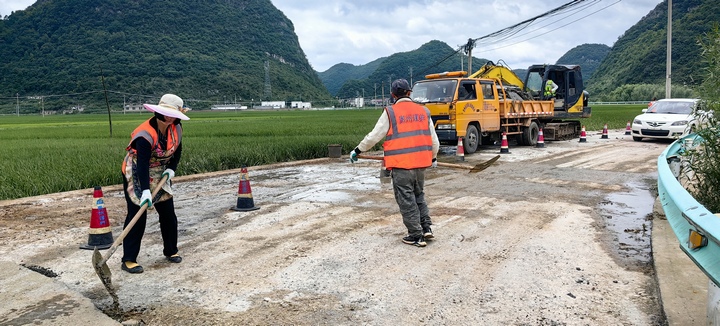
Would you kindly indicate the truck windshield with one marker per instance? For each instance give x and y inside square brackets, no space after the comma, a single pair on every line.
[434,91]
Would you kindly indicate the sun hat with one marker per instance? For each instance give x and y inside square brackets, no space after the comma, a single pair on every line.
[170,105]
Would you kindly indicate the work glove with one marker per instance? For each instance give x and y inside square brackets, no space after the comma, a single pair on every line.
[169,173]
[146,198]
[434,163]
[353,155]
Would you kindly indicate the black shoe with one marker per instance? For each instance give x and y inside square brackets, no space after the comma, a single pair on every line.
[137,269]
[417,241]
[174,258]
[427,233]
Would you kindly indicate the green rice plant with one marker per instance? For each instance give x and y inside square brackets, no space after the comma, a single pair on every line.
[616,116]
[42,155]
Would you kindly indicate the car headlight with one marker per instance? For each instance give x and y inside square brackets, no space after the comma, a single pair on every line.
[637,122]
[446,126]
[679,123]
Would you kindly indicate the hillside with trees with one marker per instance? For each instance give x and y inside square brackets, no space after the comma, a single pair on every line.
[211,51]
[588,56]
[635,66]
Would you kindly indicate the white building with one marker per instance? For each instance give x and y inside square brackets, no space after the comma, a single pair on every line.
[273,104]
[228,107]
[300,105]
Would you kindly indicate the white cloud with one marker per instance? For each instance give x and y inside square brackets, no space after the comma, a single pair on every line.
[357,32]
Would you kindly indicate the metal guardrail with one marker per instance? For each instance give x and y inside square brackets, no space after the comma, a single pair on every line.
[685,214]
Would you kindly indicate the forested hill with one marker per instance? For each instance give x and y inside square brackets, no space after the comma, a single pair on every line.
[209,50]
[588,56]
[432,57]
[639,55]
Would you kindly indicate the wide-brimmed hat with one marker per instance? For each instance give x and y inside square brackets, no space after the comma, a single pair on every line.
[170,105]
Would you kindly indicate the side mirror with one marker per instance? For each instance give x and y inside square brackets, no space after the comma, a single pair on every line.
[644,110]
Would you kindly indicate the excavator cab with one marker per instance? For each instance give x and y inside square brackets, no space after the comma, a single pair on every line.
[570,101]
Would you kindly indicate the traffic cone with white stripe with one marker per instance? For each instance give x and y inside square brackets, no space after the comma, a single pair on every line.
[541,139]
[504,145]
[460,153]
[583,135]
[244,197]
[100,234]
[604,132]
[628,129]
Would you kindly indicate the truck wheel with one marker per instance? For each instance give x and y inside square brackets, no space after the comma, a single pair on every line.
[530,134]
[472,137]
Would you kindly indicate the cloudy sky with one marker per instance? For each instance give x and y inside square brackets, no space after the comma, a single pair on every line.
[357,32]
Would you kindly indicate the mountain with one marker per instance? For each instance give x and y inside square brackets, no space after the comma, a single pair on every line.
[207,51]
[432,57]
[588,56]
[337,75]
[639,55]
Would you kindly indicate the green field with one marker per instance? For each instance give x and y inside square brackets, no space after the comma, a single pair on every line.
[49,154]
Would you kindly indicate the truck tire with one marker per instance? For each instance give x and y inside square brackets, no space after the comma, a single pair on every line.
[472,138]
[530,134]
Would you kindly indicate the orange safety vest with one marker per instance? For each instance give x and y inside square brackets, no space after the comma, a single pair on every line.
[158,157]
[408,142]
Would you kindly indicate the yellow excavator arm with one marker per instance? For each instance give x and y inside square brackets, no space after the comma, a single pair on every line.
[499,71]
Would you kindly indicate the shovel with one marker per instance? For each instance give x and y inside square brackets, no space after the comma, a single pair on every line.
[473,169]
[100,262]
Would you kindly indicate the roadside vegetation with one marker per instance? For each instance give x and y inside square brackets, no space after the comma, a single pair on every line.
[57,153]
[704,159]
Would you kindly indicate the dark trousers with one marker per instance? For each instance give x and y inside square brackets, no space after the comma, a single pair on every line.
[409,194]
[168,227]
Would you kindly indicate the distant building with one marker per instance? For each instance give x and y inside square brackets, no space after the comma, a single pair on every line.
[300,105]
[358,102]
[273,104]
[228,107]
[134,107]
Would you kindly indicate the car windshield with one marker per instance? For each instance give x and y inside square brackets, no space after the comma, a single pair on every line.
[434,91]
[671,107]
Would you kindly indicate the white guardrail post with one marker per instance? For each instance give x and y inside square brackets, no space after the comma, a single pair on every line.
[691,222]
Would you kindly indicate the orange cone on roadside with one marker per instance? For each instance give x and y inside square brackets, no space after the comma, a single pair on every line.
[504,145]
[628,129]
[100,234]
[244,197]
[460,153]
[583,135]
[604,132]
[541,139]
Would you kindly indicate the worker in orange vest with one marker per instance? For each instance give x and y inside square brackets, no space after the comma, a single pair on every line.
[153,152]
[411,145]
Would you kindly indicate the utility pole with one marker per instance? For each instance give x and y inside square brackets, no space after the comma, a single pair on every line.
[411,76]
[468,48]
[668,59]
[42,105]
[17,103]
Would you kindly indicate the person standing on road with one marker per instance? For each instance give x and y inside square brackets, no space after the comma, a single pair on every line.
[154,152]
[411,145]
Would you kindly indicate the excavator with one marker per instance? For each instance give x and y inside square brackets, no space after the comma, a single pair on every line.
[571,99]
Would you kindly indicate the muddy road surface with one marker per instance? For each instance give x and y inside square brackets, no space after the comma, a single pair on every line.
[545,236]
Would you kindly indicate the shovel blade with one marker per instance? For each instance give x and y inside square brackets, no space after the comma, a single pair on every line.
[484,165]
[102,269]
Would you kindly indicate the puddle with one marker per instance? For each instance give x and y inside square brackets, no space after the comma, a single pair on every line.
[628,216]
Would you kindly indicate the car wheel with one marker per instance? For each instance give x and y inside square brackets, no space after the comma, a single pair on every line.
[637,138]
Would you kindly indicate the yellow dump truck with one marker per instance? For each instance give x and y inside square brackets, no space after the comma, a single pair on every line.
[479,110]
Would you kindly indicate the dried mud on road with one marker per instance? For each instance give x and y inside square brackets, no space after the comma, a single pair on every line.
[538,238]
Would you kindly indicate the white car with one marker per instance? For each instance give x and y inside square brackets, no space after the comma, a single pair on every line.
[666,119]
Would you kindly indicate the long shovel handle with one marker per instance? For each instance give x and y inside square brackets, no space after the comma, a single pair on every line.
[130,225]
[476,168]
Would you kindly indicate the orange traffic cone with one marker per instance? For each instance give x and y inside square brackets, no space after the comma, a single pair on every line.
[100,234]
[244,197]
[628,129]
[604,132]
[583,135]
[460,153]
[541,139]
[504,145]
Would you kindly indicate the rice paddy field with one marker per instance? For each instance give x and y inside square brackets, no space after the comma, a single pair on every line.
[55,153]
